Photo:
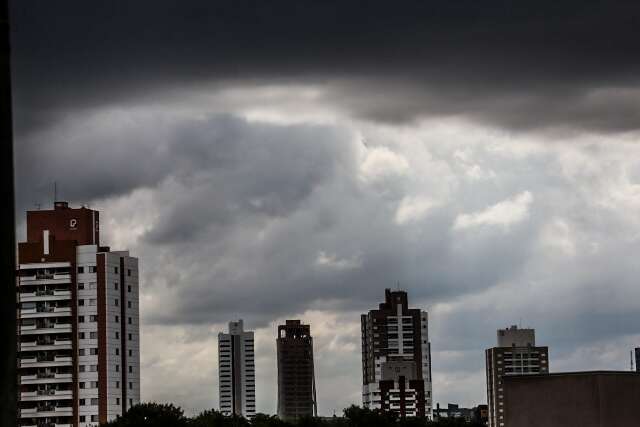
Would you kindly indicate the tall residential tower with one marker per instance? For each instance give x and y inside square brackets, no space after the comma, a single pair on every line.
[516,354]
[78,334]
[236,371]
[296,378]
[396,358]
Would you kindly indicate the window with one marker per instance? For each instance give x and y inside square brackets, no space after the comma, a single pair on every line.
[94,384]
[93,335]
[129,288]
[130,353]
[94,401]
[82,417]
[80,302]
[81,351]
[81,385]
[117,352]
[116,302]
[129,304]
[94,418]
[81,402]
[93,318]
[131,369]
[128,272]
[80,269]
[93,368]
[92,302]
[92,285]
[130,403]
[81,336]
[93,351]
[117,400]
[117,319]
[80,286]
[81,369]
[129,337]
[80,319]
[117,368]
[115,270]
[117,384]
[129,320]
[117,335]
[130,386]
[92,269]
[116,286]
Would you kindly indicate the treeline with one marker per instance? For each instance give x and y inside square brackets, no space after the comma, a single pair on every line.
[168,415]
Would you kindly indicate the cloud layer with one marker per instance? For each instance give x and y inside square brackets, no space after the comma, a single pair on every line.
[294,161]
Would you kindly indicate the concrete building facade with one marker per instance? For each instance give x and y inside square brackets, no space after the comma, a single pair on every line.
[396,358]
[78,322]
[516,354]
[585,399]
[296,376]
[236,371]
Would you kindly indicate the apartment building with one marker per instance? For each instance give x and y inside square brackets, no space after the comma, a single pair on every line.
[515,354]
[78,322]
[236,371]
[396,358]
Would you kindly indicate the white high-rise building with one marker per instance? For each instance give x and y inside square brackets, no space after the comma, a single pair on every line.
[236,371]
[78,334]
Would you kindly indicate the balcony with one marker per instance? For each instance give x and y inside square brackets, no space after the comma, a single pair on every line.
[52,328]
[45,378]
[32,313]
[47,295]
[61,344]
[46,411]
[40,395]
[34,362]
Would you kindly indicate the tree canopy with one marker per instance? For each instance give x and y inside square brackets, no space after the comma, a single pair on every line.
[168,415]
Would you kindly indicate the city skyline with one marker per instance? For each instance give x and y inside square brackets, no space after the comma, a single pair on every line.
[293,161]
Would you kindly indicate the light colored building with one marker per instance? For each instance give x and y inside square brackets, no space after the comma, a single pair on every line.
[516,354]
[396,358]
[236,371]
[78,322]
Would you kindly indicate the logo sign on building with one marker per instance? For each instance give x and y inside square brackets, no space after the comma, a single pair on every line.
[73,224]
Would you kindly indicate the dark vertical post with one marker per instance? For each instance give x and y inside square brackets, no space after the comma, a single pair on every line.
[8,378]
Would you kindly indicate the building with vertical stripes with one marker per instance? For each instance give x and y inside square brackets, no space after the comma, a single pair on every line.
[396,358]
[78,322]
[236,371]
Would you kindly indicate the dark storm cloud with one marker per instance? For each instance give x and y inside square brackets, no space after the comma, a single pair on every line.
[516,64]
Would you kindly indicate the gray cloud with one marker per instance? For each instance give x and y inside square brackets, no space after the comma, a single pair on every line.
[524,66]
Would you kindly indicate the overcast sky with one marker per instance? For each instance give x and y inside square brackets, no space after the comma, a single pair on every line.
[274,160]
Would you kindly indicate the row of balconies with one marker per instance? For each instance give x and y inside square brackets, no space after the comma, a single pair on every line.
[49,410]
[43,345]
[45,295]
[46,378]
[52,394]
[41,361]
[27,313]
[44,278]
[46,328]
